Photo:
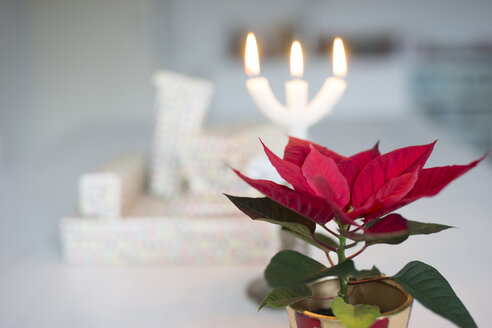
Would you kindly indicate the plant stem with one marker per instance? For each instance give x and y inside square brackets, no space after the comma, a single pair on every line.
[351,245]
[319,242]
[358,252]
[329,258]
[329,230]
[358,282]
[343,293]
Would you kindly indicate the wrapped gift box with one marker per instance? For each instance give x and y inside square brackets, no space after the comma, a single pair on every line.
[120,222]
[181,103]
[166,240]
[190,229]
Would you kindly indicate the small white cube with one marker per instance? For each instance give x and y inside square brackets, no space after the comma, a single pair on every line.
[100,195]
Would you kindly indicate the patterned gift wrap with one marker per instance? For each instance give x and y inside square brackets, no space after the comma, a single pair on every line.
[200,226]
[100,195]
[181,103]
[111,190]
[174,225]
[187,205]
[189,230]
[167,240]
[207,158]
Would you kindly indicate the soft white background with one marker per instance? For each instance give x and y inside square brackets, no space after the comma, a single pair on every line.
[75,91]
[67,65]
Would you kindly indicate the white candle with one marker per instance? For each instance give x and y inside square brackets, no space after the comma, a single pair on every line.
[296,95]
[327,97]
[296,90]
[298,115]
[265,100]
[333,88]
[258,87]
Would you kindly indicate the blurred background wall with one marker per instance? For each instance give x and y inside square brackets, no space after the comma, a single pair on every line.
[68,66]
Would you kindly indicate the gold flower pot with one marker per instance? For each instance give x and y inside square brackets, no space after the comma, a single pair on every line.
[394,303]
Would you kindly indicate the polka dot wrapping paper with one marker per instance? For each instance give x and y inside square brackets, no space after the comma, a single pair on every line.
[197,226]
[183,218]
[181,103]
[206,159]
[201,231]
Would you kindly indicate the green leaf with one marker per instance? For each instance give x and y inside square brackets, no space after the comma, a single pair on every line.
[368,274]
[431,289]
[290,268]
[414,228]
[354,316]
[265,209]
[282,297]
[392,239]
[420,228]
[327,240]
[310,240]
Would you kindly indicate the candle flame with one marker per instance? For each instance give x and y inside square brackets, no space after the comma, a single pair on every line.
[251,57]
[339,58]
[296,60]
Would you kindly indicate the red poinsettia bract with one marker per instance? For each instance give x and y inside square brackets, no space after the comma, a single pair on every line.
[366,186]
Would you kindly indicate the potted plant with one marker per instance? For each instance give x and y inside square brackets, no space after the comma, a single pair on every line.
[343,205]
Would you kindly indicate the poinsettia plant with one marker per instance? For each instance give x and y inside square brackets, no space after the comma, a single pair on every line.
[359,194]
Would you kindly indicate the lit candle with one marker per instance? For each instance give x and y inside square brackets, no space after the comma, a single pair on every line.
[339,59]
[258,87]
[298,115]
[252,58]
[296,90]
[333,88]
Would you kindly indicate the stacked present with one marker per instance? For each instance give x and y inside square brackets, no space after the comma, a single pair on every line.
[181,104]
[167,240]
[100,195]
[112,190]
[184,219]
[207,159]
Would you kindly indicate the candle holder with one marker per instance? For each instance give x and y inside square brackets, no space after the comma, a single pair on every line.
[298,115]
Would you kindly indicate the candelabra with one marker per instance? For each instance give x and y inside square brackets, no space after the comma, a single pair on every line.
[298,115]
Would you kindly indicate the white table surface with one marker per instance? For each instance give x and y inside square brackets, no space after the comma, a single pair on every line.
[38,290]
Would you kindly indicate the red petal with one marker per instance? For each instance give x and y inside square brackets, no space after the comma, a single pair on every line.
[349,170]
[309,206]
[288,171]
[352,166]
[385,167]
[429,183]
[361,159]
[395,189]
[390,193]
[297,150]
[324,177]
[390,224]
[337,211]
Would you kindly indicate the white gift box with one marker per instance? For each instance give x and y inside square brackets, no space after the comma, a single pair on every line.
[206,159]
[111,190]
[167,240]
[100,195]
[194,231]
[189,229]
[181,103]
[173,225]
